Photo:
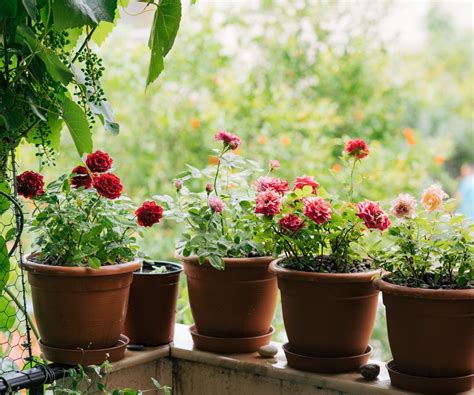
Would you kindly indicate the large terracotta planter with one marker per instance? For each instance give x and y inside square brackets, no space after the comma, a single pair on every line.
[237,302]
[327,315]
[431,331]
[80,308]
[152,304]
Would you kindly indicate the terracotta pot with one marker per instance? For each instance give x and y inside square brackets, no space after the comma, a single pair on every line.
[431,331]
[327,314]
[238,301]
[77,307]
[152,304]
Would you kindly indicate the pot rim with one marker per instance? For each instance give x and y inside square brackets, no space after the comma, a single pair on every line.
[178,268]
[75,271]
[422,293]
[358,277]
[229,262]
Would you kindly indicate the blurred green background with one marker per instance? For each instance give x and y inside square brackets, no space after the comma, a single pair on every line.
[294,80]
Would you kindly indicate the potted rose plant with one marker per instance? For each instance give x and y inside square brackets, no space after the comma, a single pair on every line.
[329,303]
[86,252]
[429,295]
[232,294]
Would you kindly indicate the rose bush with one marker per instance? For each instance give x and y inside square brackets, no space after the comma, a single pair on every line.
[77,225]
[316,231]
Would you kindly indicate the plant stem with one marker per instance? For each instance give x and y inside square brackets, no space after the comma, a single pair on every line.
[351,190]
[23,310]
[86,40]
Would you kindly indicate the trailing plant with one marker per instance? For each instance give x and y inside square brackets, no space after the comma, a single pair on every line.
[50,75]
[430,247]
[316,231]
[219,219]
[82,218]
[93,379]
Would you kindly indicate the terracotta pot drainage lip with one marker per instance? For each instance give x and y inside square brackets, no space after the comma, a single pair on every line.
[230,345]
[326,364]
[429,385]
[85,357]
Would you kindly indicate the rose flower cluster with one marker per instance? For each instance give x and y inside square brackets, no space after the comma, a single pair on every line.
[95,173]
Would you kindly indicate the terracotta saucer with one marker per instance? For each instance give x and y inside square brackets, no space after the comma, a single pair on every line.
[230,345]
[326,364]
[429,385]
[85,357]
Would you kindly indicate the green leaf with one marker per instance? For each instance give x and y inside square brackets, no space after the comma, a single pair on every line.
[4,264]
[8,8]
[76,122]
[94,262]
[162,35]
[30,7]
[77,13]
[4,202]
[7,314]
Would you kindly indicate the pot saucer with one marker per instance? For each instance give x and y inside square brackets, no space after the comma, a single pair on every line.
[429,385]
[326,364]
[85,357]
[230,345]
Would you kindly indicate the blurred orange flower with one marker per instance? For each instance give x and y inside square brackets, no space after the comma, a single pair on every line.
[262,140]
[213,160]
[236,151]
[231,185]
[359,115]
[336,167]
[439,159]
[284,140]
[290,73]
[195,123]
[409,136]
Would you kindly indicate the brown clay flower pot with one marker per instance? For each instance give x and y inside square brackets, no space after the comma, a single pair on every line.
[77,307]
[431,331]
[152,304]
[237,302]
[327,315]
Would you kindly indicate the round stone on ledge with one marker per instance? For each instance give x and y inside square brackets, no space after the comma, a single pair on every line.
[268,351]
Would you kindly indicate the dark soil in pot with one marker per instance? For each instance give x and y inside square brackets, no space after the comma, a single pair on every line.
[78,307]
[431,331]
[238,301]
[152,304]
[327,314]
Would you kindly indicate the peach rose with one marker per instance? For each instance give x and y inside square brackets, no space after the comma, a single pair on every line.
[432,198]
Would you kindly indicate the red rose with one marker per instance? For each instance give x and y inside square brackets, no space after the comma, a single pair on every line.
[148,214]
[304,181]
[291,223]
[29,184]
[357,148]
[229,139]
[273,184]
[317,209]
[268,203]
[373,215]
[83,178]
[108,185]
[99,162]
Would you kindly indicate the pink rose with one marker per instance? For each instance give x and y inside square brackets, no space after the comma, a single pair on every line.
[317,209]
[304,181]
[268,203]
[273,184]
[274,164]
[373,215]
[216,204]
[229,139]
[291,223]
[403,206]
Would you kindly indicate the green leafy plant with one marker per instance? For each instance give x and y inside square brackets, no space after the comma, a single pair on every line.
[50,76]
[430,247]
[318,232]
[220,220]
[82,219]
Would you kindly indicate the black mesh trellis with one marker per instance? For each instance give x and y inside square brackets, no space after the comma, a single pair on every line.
[15,325]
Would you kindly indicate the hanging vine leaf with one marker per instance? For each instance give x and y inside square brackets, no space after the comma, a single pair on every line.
[76,122]
[163,33]
[4,264]
[76,13]
[7,314]
[30,7]
[8,8]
